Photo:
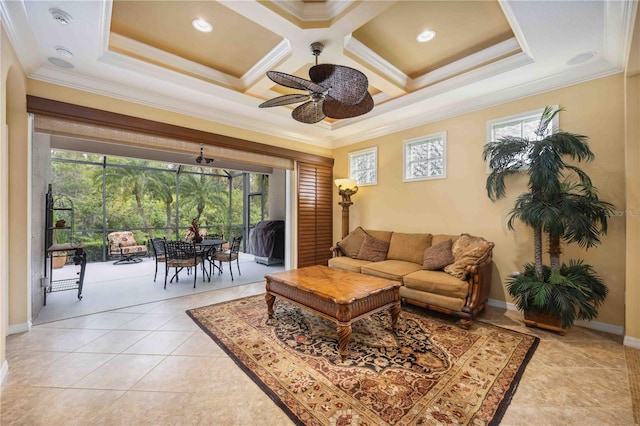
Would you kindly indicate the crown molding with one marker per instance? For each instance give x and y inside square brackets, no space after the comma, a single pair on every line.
[201,105]
[485,56]
[618,25]
[515,26]
[15,21]
[271,60]
[485,100]
[162,57]
[314,11]
[363,53]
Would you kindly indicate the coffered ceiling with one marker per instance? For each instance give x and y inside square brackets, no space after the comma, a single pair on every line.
[484,53]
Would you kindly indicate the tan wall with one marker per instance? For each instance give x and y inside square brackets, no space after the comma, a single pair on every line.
[14,228]
[459,203]
[632,101]
[63,94]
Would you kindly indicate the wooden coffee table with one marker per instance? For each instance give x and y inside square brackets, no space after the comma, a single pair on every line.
[339,296]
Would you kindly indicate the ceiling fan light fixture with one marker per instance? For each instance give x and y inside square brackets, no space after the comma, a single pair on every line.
[426,36]
[202,25]
[333,91]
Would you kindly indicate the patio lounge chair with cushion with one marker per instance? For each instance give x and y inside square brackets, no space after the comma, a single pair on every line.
[123,246]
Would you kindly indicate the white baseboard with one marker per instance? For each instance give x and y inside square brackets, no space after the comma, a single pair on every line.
[502,304]
[632,342]
[594,325]
[19,328]
[4,370]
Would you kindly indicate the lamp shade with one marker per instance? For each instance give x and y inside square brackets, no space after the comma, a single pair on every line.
[346,183]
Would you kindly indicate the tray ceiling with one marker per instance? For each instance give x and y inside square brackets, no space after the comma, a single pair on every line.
[484,53]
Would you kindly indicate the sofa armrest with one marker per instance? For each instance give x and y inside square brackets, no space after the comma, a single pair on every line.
[335,250]
[479,280]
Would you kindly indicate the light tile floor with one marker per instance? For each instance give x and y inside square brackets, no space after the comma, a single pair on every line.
[151,365]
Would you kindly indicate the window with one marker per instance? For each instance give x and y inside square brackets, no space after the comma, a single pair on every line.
[363,166]
[425,157]
[522,125]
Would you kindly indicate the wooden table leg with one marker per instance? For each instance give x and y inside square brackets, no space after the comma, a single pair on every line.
[344,333]
[394,310]
[270,298]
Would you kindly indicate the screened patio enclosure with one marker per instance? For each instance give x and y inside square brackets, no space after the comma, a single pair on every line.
[153,199]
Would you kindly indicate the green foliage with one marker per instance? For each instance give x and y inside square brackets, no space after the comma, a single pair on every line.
[141,197]
[561,202]
[574,292]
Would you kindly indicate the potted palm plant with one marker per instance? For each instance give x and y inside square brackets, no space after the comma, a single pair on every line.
[562,203]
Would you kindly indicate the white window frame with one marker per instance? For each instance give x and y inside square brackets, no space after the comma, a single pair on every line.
[522,117]
[424,140]
[366,151]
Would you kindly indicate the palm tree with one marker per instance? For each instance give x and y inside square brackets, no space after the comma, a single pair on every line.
[558,205]
[199,191]
[542,160]
[129,182]
[162,186]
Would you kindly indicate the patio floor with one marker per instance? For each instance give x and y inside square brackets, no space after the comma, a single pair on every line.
[108,286]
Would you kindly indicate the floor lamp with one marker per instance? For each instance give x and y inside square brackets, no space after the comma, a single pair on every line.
[346,188]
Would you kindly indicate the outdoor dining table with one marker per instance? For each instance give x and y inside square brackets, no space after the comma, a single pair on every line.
[204,248]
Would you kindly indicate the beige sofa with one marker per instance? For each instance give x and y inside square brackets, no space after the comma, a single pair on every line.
[460,288]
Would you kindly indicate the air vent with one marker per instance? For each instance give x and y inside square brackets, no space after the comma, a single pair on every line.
[61,16]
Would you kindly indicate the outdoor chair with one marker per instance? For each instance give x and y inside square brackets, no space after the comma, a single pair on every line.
[229,256]
[212,250]
[179,255]
[123,246]
[158,253]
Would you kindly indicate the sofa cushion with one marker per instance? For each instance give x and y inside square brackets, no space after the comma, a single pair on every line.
[408,247]
[390,269]
[468,250]
[438,256]
[373,249]
[347,263]
[381,235]
[437,282]
[350,245]
[453,303]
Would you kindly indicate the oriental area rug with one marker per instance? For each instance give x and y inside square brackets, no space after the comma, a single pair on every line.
[430,371]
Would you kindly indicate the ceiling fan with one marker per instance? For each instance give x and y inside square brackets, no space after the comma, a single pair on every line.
[334,91]
[200,158]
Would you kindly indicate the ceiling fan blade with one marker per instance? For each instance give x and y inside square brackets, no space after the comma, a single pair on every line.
[294,82]
[284,100]
[335,109]
[346,85]
[310,112]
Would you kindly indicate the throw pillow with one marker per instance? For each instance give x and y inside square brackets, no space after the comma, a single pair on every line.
[468,250]
[438,256]
[350,245]
[373,250]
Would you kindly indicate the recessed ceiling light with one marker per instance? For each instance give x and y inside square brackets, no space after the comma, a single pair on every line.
[61,16]
[60,62]
[426,36]
[202,25]
[581,58]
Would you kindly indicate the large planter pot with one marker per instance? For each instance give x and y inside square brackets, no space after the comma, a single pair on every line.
[58,260]
[543,320]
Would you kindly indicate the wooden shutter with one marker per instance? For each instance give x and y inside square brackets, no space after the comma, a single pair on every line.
[315,213]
